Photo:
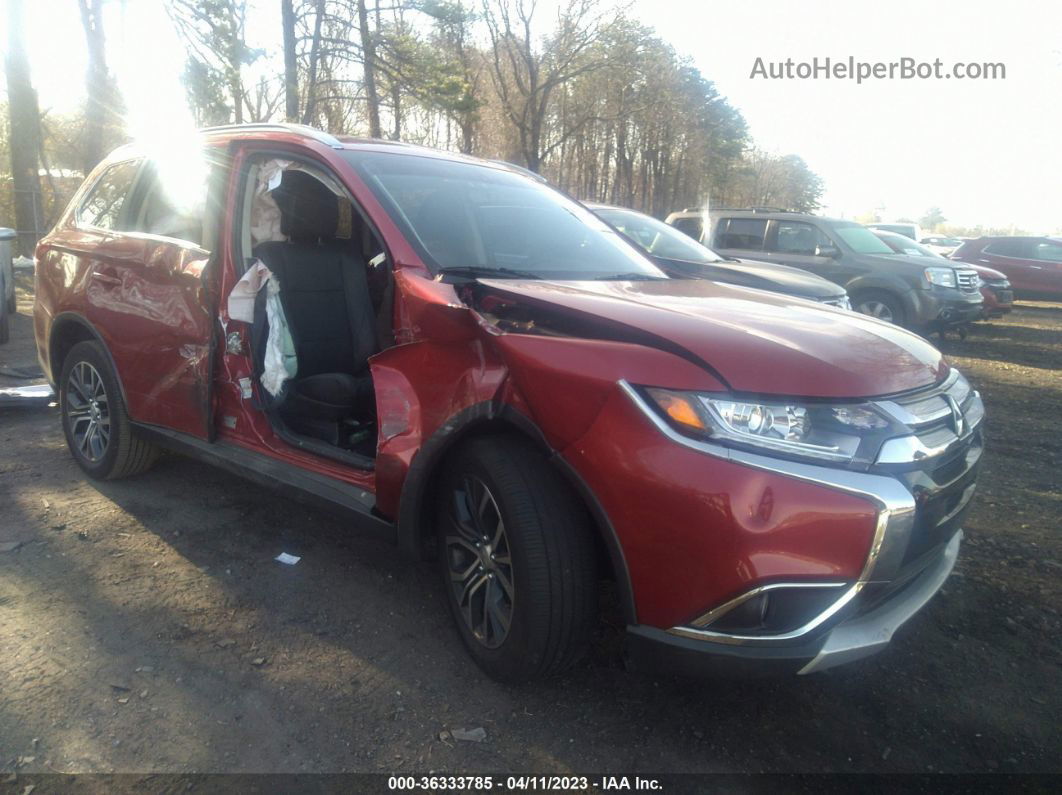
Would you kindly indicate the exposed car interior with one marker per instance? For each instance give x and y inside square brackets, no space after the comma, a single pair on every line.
[335,290]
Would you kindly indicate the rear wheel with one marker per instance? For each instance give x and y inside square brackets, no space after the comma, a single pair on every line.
[517,560]
[881,305]
[95,422]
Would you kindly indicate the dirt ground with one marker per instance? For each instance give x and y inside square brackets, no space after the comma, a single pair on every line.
[144,626]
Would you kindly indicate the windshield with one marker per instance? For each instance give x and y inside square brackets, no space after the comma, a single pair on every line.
[656,237]
[904,245]
[477,218]
[861,240]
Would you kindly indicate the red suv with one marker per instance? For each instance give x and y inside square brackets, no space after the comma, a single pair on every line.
[1033,264]
[464,359]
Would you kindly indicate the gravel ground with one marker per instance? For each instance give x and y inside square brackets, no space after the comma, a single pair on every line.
[145,627]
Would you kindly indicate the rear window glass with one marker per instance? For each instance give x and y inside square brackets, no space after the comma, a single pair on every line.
[1049,251]
[102,207]
[689,226]
[1008,248]
[744,233]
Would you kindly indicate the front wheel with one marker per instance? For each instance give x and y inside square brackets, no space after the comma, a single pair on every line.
[517,559]
[879,304]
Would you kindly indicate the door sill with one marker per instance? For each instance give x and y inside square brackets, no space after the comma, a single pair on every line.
[318,447]
[292,481]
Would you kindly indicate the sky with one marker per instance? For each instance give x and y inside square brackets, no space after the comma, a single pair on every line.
[984,151]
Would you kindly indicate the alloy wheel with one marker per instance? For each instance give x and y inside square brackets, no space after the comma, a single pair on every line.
[876,309]
[480,562]
[88,412]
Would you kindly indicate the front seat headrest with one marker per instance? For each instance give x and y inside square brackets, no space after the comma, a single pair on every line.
[309,210]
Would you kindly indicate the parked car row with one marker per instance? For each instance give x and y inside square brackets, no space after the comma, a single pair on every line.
[462,358]
[889,286]
[1033,265]
[935,285]
[995,287]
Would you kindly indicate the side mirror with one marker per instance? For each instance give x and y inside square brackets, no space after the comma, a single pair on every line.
[827,251]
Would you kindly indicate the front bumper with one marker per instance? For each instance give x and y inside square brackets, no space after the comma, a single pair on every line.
[922,487]
[944,307]
[999,300]
[958,313]
[859,635]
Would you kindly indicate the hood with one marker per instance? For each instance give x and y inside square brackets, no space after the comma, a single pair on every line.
[753,273]
[753,341]
[982,271]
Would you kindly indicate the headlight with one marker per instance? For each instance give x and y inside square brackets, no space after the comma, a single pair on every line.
[821,432]
[942,277]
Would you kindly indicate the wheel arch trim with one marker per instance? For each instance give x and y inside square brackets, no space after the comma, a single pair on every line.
[65,319]
[425,467]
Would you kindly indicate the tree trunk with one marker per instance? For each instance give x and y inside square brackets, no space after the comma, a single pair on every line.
[97,83]
[368,49]
[291,68]
[25,136]
[309,113]
[467,129]
[396,107]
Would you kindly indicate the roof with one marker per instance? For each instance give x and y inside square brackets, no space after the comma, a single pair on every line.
[348,142]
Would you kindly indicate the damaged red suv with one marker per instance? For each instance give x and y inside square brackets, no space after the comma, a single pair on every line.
[463,359]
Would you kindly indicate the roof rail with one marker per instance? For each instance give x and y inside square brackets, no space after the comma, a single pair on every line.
[740,209]
[756,209]
[318,135]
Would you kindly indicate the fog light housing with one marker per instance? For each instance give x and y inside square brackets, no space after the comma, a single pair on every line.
[775,609]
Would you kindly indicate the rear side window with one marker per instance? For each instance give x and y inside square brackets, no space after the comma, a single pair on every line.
[179,198]
[1047,251]
[690,226]
[744,233]
[1012,247]
[102,207]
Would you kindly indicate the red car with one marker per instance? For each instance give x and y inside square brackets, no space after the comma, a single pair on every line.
[996,290]
[465,360]
[1033,264]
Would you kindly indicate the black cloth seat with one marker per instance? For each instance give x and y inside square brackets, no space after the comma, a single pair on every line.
[325,295]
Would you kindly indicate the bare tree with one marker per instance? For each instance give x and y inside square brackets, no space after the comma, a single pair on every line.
[368,49]
[291,66]
[526,73]
[98,82]
[25,136]
[214,32]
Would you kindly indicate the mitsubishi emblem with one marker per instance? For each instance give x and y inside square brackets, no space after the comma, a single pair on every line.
[957,421]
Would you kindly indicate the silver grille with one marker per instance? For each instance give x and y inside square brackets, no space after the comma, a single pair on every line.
[969,282]
[950,412]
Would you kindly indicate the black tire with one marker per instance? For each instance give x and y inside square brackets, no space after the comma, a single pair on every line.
[119,453]
[552,572]
[880,304]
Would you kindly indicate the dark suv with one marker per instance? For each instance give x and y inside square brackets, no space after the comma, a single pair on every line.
[902,290]
[472,364]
